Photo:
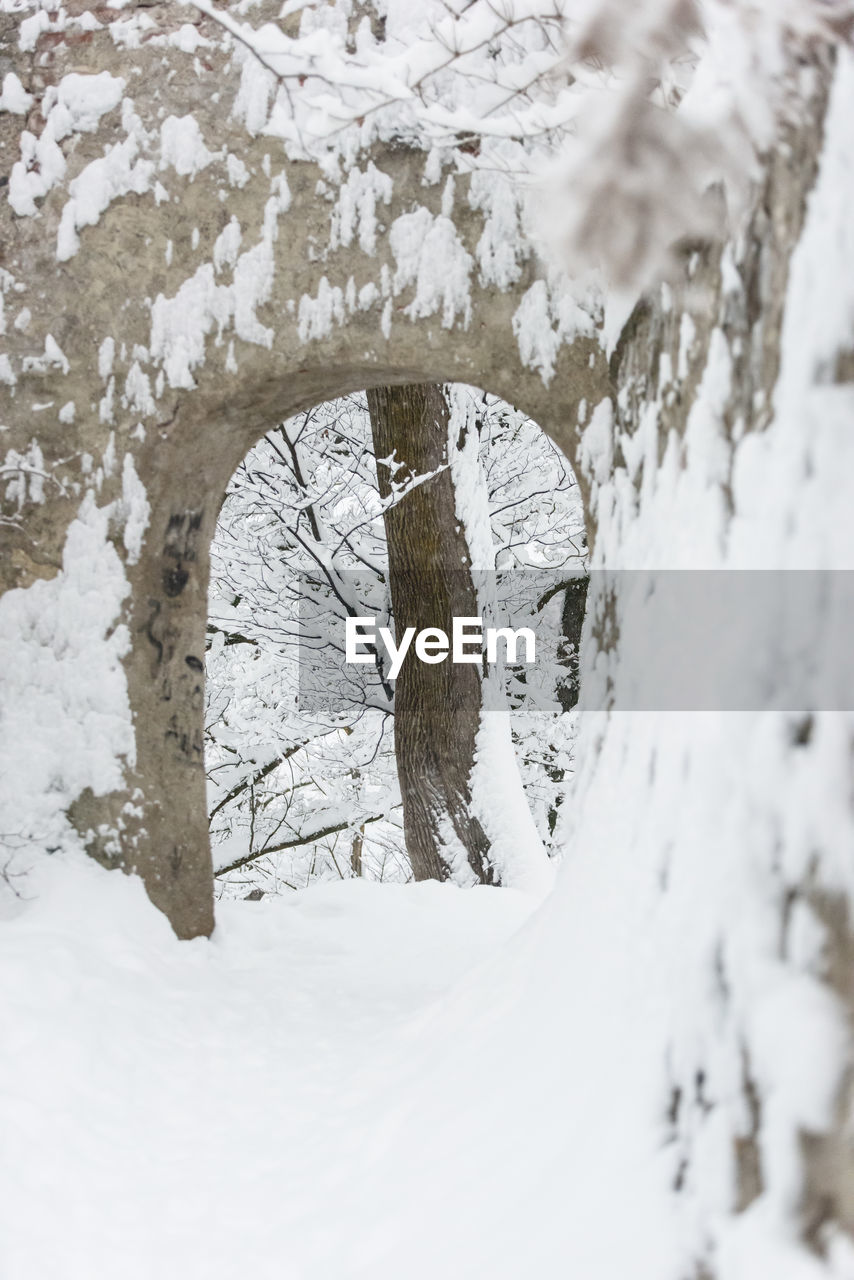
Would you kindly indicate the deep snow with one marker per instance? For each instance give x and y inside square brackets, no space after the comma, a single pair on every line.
[211,1109]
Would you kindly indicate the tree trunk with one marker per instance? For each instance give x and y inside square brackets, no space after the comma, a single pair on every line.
[437,706]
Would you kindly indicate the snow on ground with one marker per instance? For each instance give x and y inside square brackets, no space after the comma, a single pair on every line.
[207,1110]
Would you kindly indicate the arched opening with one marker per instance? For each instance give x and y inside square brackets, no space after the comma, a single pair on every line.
[301,746]
[188,460]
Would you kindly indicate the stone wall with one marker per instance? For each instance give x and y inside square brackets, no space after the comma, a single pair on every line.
[187,286]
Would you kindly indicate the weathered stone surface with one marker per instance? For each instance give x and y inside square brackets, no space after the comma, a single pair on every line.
[230,366]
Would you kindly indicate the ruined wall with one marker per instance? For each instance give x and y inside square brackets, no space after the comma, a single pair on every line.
[173,286]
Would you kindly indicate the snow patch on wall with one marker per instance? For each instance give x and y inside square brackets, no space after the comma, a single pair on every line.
[75,105]
[65,722]
[14,97]
[137,393]
[502,247]
[429,255]
[117,173]
[257,88]
[355,211]
[548,316]
[52,358]
[180,325]
[23,475]
[316,316]
[227,245]
[596,448]
[120,171]
[135,509]
[182,146]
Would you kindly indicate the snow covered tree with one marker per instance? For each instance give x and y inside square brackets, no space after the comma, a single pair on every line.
[300,755]
[437,708]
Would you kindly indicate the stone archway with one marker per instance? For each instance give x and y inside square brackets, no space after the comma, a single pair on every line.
[166,838]
[178,289]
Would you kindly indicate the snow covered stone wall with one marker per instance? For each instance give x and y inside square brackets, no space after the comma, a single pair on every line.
[174,282]
[725,871]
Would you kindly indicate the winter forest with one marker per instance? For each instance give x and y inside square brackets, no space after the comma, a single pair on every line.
[427,639]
